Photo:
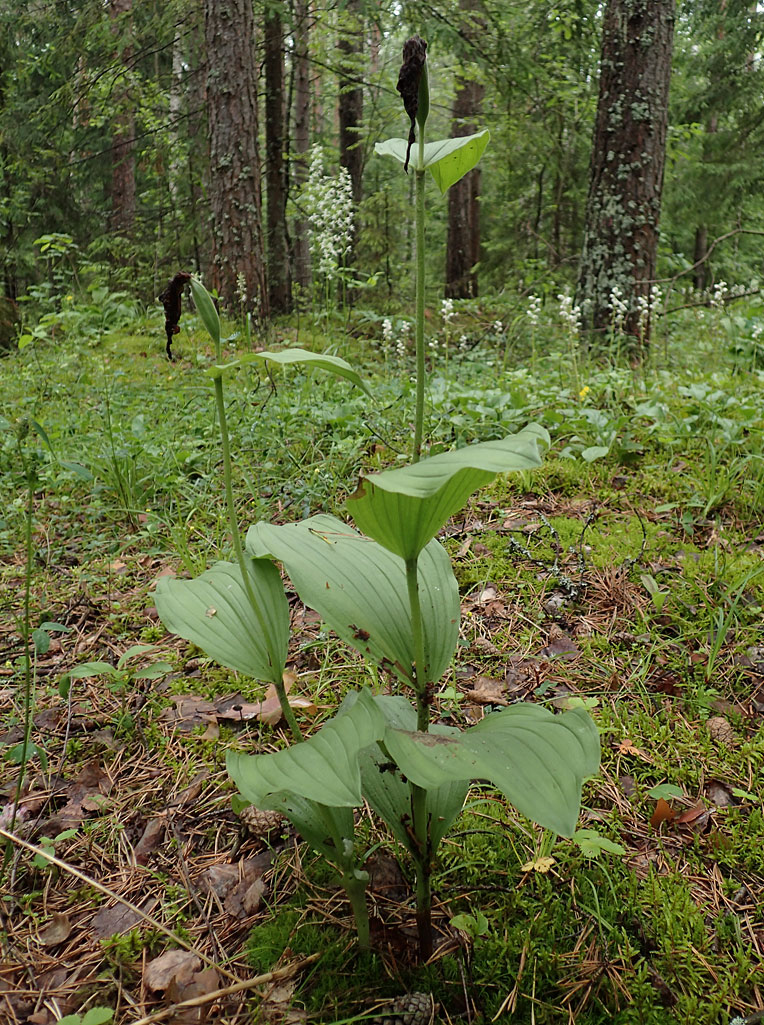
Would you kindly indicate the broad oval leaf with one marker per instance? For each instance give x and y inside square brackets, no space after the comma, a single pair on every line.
[319,825]
[324,768]
[536,759]
[389,795]
[396,148]
[316,360]
[214,612]
[206,309]
[449,160]
[359,588]
[403,509]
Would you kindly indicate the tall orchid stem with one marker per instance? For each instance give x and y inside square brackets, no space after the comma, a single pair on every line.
[286,708]
[419,794]
[419,207]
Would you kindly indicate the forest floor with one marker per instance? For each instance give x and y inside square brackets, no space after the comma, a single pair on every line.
[626,575]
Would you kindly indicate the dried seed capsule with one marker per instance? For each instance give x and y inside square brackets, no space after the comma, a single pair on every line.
[409,79]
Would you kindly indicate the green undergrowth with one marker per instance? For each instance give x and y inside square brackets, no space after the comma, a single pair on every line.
[639,541]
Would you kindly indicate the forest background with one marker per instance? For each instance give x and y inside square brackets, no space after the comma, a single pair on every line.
[236,140]
[105,113]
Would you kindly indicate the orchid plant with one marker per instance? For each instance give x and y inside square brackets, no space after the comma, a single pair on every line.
[388,590]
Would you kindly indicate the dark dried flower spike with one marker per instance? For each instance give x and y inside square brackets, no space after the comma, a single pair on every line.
[414,56]
[170,299]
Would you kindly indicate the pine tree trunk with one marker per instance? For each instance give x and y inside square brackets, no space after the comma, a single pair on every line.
[628,156]
[301,140]
[463,241]
[350,45]
[278,269]
[123,134]
[235,200]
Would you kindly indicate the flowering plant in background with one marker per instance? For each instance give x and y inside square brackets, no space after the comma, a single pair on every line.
[328,202]
[534,309]
[570,314]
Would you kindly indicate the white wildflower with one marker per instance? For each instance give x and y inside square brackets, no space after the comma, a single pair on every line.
[328,200]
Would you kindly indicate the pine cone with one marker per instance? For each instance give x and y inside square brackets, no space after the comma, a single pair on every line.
[721,731]
[411,1009]
[260,823]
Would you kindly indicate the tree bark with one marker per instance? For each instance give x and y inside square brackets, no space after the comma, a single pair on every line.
[626,170]
[301,139]
[235,200]
[123,134]
[278,267]
[463,241]
[350,46]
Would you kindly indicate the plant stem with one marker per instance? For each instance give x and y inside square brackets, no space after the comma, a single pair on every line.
[28,680]
[417,633]
[419,814]
[286,708]
[356,890]
[419,207]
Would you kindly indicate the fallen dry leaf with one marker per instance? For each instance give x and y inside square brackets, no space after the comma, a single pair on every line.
[626,747]
[151,838]
[719,794]
[172,966]
[663,813]
[487,691]
[111,921]
[485,645]
[697,817]
[200,984]
[542,865]
[56,931]
[561,645]
[275,1007]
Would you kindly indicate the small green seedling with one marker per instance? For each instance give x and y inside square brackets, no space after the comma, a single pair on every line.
[48,844]
[118,677]
[653,588]
[474,925]
[592,844]
[95,1016]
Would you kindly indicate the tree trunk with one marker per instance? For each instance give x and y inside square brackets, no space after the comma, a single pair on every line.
[301,139]
[237,235]
[350,46]
[123,134]
[626,171]
[699,257]
[463,241]
[278,269]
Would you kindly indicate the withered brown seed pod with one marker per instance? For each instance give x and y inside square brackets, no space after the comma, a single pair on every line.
[409,77]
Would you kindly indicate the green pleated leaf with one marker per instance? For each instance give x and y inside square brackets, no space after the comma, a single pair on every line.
[317,824]
[205,307]
[323,769]
[394,148]
[448,160]
[387,793]
[403,509]
[536,759]
[359,588]
[214,612]
[287,357]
